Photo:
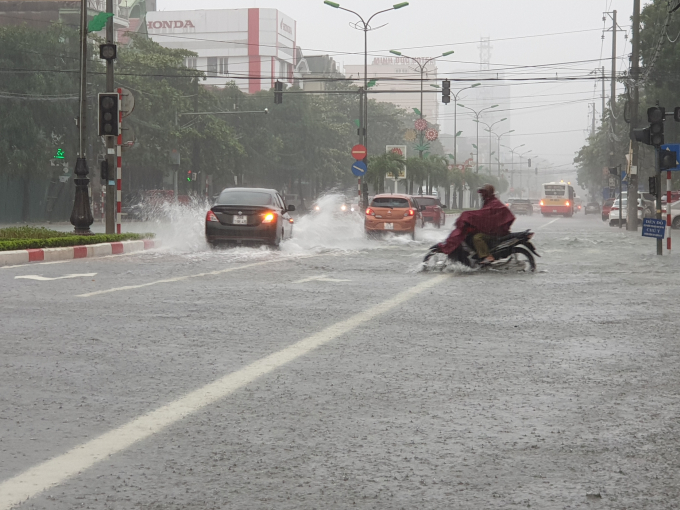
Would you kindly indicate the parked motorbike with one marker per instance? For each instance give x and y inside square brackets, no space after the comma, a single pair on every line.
[513,252]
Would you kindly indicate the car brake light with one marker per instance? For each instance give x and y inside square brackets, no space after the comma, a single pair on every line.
[211,216]
[541,202]
[369,212]
[410,212]
[567,203]
[268,217]
[291,220]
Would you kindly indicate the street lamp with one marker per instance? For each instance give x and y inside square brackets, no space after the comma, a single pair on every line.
[498,147]
[489,130]
[477,114]
[512,164]
[81,215]
[421,67]
[455,119]
[365,26]
[520,171]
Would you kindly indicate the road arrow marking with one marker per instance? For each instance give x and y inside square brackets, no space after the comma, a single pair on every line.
[46,279]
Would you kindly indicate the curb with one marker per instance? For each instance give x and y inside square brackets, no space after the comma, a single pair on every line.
[17,257]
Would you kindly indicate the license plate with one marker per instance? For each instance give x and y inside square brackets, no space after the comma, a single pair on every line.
[388,226]
[240,220]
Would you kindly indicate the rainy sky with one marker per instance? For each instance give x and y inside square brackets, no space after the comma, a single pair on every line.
[529,39]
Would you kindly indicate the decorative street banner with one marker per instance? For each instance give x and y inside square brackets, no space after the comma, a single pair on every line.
[652,227]
[401,150]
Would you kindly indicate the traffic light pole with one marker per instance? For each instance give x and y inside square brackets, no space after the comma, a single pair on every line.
[110,206]
[657,160]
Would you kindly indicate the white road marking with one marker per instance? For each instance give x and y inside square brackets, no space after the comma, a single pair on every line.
[181,278]
[57,470]
[549,223]
[322,278]
[47,279]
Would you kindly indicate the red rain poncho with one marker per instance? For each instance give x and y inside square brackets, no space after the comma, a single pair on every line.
[493,219]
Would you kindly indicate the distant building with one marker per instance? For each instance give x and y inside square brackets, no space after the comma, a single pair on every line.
[128,14]
[313,67]
[398,75]
[252,47]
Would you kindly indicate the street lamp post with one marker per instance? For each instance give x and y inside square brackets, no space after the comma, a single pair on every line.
[489,130]
[512,164]
[520,171]
[421,67]
[477,114]
[455,121]
[81,215]
[365,26]
[498,147]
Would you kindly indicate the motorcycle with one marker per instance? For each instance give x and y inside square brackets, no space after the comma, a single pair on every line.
[513,252]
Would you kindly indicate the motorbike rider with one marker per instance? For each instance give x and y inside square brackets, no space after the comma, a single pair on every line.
[493,220]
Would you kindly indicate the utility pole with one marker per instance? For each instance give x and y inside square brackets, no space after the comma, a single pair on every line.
[196,152]
[604,104]
[592,128]
[110,140]
[81,215]
[634,119]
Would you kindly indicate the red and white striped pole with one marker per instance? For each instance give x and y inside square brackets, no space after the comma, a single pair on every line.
[668,211]
[119,159]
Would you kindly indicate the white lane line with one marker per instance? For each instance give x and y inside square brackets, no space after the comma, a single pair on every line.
[186,277]
[549,223]
[47,279]
[322,278]
[57,470]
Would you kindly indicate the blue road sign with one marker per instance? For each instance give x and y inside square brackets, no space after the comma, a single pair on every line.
[652,227]
[359,168]
[672,147]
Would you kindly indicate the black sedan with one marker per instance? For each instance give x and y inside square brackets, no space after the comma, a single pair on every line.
[249,215]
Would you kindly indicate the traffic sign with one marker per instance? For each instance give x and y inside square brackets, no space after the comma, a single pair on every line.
[359,168]
[652,227]
[359,152]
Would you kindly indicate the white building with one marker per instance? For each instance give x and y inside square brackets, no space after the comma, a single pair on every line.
[252,47]
[395,76]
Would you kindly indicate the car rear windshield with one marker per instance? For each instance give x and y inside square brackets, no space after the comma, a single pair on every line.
[244,198]
[389,202]
[426,201]
[520,201]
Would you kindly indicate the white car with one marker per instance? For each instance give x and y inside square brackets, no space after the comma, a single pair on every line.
[614,213]
[675,214]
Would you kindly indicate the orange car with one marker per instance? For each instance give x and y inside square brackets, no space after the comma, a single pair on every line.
[392,213]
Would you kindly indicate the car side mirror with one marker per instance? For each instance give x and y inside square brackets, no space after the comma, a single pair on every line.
[422,208]
[291,208]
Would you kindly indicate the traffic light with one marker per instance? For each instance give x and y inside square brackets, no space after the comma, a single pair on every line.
[529,162]
[642,135]
[667,160]
[536,170]
[446,91]
[108,114]
[107,51]
[652,185]
[656,115]
[189,175]
[676,114]
[104,170]
[278,92]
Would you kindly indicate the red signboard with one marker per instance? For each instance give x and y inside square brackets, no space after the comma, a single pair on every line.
[359,152]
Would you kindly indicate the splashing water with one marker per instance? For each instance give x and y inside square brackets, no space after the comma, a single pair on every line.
[181,229]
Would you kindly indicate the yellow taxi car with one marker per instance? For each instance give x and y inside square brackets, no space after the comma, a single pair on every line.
[391,213]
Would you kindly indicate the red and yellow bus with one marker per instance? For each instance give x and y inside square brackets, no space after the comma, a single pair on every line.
[558,198]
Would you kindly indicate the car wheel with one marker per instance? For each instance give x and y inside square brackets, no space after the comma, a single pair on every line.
[676,222]
[438,224]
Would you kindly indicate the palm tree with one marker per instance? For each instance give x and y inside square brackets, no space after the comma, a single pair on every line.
[380,166]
